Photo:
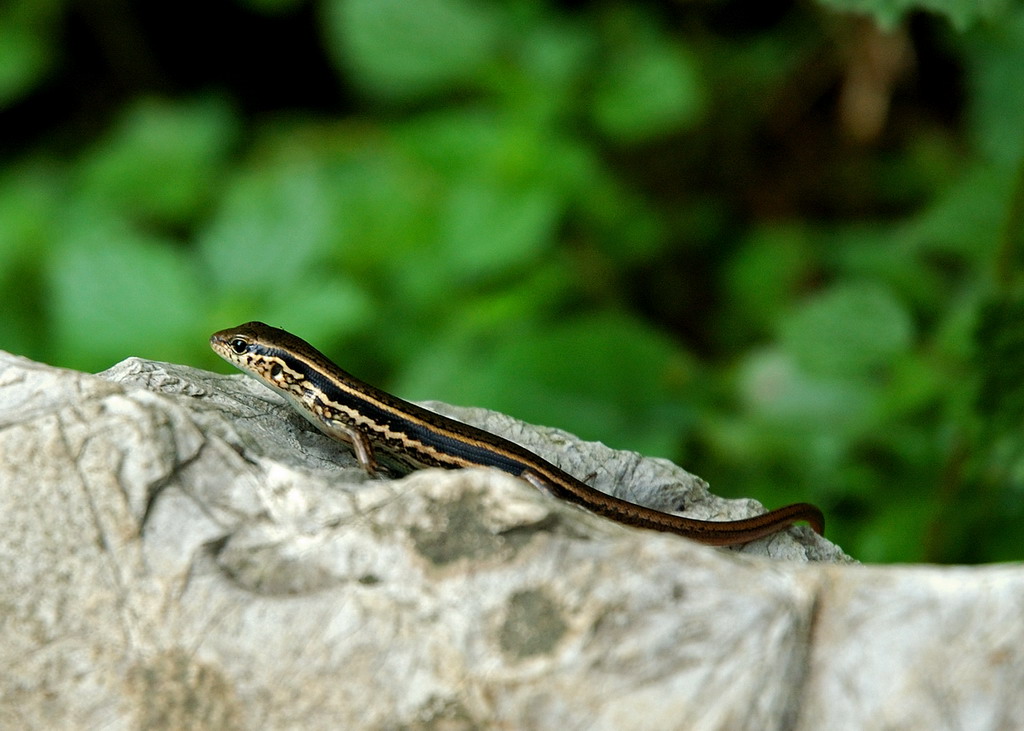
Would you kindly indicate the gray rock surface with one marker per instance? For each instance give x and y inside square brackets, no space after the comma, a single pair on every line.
[181,551]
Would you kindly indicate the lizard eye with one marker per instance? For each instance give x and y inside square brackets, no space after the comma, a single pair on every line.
[239,346]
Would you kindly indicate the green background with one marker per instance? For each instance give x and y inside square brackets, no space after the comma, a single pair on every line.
[776,242]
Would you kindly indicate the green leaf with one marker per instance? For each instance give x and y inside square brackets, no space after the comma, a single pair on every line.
[271,228]
[763,275]
[552,64]
[383,210]
[115,293]
[509,159]
[880,252]
[26,50]
[775,389]
[325,309]
[24,58]
[161,161]
[488,229]
[457,141]
[30,200]
[850,330]
[1000,363]
[570,374]
[966,219]
[31,197]
[962,13]
[996,101]
[899,528]
[649,86]
[406,50]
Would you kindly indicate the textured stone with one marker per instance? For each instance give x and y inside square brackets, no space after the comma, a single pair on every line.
[183,551]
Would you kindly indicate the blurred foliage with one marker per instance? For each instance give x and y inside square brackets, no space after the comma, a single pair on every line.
[778,243]
[962,13]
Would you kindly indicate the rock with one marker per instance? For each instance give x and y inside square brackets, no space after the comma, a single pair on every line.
[183,551]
